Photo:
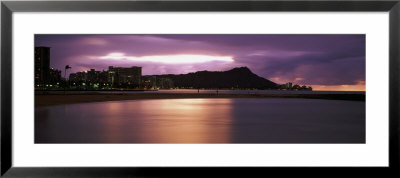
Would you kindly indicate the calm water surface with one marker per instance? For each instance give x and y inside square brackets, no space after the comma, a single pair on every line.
[271,120]
[220,91]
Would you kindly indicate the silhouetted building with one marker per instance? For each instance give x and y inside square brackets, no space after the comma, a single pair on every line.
[118,76]
[296,87]
[96,77]
[93,79]
[42,65]
[92,75]
[79,76]
[165,83]
[54,76]
[288,85]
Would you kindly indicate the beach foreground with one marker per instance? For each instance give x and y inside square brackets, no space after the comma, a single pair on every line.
[60,98]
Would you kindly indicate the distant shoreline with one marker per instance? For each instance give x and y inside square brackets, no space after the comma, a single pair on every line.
[42,100]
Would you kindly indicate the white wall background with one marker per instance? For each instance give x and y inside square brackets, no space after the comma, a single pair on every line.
[373,153]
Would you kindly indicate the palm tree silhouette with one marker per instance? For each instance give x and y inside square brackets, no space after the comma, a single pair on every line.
[65,74]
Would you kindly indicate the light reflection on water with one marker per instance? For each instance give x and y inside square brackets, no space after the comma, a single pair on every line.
[159,121]
[203,121]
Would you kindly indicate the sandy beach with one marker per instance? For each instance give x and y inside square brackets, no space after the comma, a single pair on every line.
[60,99]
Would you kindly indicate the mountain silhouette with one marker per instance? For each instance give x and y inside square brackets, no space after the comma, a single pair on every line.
[237,78]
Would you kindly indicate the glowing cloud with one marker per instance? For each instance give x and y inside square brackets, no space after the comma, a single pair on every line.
[93,41]
[168,59]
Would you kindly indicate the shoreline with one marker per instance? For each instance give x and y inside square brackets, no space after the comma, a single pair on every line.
[42,100]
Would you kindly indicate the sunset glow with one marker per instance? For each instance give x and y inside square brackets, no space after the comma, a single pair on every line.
[360,86]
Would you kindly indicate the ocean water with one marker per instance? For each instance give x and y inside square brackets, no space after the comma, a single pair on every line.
[238,120]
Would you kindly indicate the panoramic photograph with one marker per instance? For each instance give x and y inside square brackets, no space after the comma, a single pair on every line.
[199,88]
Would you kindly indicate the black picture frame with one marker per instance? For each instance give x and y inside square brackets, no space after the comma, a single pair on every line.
[8,7]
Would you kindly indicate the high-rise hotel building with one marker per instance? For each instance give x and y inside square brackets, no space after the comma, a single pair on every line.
[42,65]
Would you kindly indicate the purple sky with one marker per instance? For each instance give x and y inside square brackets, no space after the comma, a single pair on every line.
[327,61]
